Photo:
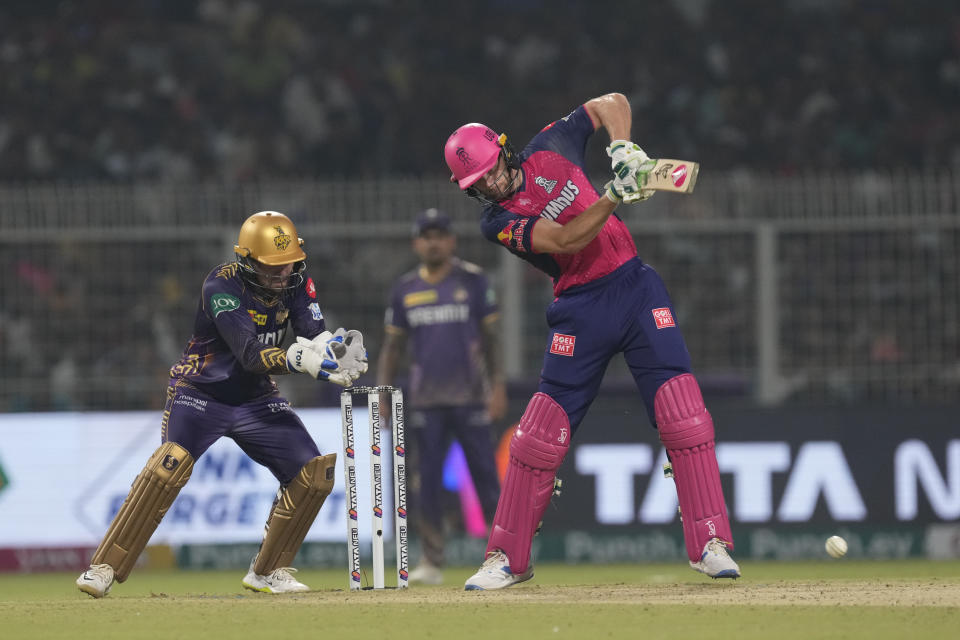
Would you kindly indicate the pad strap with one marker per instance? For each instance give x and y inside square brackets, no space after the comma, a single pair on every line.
[537,449]
[152,493]
[293,513]
[686,430]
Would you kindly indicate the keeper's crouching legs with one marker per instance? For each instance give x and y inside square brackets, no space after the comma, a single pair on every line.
[293,513]
[536,451]
[151,494]
[686,430]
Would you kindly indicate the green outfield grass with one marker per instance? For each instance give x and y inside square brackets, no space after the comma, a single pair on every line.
[837,599]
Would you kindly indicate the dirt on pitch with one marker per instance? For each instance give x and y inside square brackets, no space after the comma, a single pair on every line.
[898,593]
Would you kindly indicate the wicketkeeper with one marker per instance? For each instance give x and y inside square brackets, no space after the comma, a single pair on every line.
[541,206]
[221,387]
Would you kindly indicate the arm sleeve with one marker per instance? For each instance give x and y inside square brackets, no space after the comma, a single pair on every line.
[222,304]
[512,230]
[305,313]
[567,136]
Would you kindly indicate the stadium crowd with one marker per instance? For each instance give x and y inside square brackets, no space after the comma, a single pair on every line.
[239,89]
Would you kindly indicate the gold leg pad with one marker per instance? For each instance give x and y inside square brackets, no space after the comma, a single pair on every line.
[293,512]
[152,493]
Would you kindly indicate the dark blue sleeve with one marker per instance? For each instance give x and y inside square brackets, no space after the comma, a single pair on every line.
[305,313]
[223,303]
[567,136]
[512,230]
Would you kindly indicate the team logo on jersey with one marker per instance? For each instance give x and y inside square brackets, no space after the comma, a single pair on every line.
[259,319]
[460,295]
[282,315]
[548,185]
[220,302]
[281,240]
[311,288]
[562,344]
[663,318]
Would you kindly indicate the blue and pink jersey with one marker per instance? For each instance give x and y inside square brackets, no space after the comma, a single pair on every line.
[556,187]
[444,324]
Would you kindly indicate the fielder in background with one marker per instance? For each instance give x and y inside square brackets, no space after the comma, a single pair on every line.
[448,310]
[221,387]
[541,206]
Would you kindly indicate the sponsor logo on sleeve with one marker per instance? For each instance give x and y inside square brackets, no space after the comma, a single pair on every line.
[220,302]
[562,344]
[315,311]
[311,288]
[663,318]
[259,319]
[512,235]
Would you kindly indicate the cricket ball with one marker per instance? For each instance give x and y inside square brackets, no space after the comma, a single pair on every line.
[836,546]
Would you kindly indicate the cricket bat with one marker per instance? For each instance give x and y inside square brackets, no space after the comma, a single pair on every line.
[679,176]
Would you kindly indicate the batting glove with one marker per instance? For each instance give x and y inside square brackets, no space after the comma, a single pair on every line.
[625,158]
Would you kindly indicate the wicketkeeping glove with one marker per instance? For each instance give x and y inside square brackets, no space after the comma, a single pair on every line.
[355,358]
[320,359]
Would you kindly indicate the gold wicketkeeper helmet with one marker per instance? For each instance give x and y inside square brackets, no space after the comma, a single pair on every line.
[269,238]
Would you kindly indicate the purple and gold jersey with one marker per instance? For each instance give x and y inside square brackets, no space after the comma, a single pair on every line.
[444,324]
[237,336]
[555,186]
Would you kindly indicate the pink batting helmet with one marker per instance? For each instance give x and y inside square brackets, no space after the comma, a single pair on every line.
[471,151]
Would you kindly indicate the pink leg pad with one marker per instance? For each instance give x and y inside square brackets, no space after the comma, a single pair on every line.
[537,449]
[686,430]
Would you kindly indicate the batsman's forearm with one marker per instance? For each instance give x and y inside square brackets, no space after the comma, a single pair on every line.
[551,237]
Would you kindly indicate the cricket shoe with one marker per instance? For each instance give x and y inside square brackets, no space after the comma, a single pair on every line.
[495,573]
[426,573]
[716,562]
[97,580]
[277,581]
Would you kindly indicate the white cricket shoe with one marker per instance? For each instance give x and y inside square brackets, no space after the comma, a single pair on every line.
[97,580]
[716,562]
[277,581]
[495,573]
[426,573]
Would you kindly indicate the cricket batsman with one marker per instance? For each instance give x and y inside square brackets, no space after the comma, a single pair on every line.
[221,387]
[541,206]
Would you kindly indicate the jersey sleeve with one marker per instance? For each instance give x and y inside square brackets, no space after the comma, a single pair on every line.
[514,231]
[567,136]
[222,304]
[305,314]
[395,318]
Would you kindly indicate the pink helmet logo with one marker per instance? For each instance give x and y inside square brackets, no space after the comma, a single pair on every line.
[465,158]
[470,152]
